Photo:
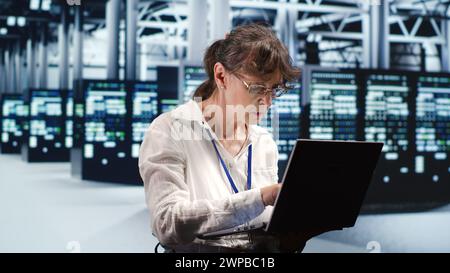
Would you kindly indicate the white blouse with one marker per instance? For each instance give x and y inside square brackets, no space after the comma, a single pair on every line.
[186,188]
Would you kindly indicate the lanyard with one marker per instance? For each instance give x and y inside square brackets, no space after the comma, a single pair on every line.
[249,168]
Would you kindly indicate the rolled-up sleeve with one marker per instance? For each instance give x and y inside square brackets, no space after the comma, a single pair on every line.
[175,218]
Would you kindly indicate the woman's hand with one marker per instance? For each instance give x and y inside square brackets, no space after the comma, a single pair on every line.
[269,194]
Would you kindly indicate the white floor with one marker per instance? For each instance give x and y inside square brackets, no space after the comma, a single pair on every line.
[403,232]
[44,209]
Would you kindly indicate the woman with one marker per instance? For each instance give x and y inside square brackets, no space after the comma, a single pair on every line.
[206,165]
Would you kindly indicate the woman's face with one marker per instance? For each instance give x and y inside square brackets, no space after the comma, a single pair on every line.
[256,105]
[234,87]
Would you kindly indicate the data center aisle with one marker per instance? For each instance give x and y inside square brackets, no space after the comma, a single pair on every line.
[44,209]
[427,231]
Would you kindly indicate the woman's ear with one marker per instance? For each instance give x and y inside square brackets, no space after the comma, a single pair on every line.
[220,76]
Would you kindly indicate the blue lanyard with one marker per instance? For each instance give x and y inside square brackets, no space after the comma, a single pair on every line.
[249,168]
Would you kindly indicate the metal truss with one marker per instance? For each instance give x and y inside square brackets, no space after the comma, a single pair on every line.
[328,21]
[162,28]
[420,24]
[343,29]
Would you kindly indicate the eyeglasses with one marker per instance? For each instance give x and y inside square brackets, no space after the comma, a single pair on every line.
[259,89]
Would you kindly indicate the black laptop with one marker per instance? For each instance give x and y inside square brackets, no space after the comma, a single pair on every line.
[324,186]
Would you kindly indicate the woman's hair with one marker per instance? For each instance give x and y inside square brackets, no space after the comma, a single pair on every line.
[252,49]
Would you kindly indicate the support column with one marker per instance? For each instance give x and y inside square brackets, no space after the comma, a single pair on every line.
[378,48]
[23,67]
[31,62]
[281,24]
[12,70]
[368,50]
[112,26]
[285,24]
[445,50]
[197,23]
[130,48]
[78,37]
[6,55]
[374,36]
[383,41]
[64,48]
[18,64]
[36,62]
[220,21]
[43,58]
[2,71]
[292,42]
[143,62]
[138,61]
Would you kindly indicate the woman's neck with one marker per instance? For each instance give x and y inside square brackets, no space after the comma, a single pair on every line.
[226,126]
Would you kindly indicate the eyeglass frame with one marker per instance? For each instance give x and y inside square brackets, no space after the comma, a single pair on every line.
[267,90]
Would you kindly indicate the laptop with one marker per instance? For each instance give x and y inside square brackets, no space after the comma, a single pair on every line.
[324,186]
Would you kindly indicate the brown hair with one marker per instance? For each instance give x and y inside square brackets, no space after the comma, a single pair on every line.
[252,49]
